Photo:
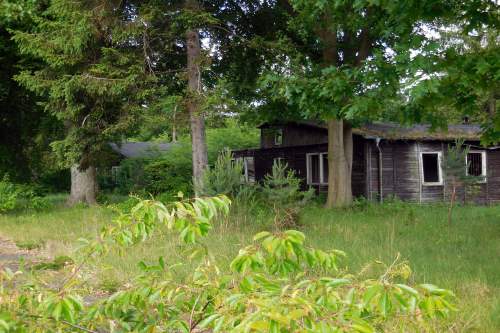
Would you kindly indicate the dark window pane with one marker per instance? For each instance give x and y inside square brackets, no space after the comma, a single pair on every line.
[475,164]
[325,168]
[314,171]
[430,165]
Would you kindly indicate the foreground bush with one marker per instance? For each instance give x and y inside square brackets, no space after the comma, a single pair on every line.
[14,196]
[276,284]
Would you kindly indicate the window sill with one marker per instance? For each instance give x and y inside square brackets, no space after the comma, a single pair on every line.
[433,184]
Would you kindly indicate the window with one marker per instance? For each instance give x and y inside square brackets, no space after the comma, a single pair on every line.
[280,160]
[115,171]
[476,163]
[248,174]
[317,168]
[278,137]
[431,168]
[249,169]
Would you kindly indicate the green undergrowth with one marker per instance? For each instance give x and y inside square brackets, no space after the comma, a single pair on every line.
[464,257]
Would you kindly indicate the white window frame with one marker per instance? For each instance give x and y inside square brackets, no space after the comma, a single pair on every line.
[244,161]
[321,169]
[484,173]
[278,133]
[245,165]
[440,169]
[279,159]
[115,170]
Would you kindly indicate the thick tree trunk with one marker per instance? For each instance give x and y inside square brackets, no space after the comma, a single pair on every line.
[339,164]
[83,186]
[198,139]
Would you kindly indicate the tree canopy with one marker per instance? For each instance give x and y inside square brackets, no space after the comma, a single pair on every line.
[80,74]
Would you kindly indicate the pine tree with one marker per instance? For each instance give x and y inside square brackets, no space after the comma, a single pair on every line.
[455,170]
[93,79]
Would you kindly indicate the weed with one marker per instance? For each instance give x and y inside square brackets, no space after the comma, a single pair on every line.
[30,245]
[54,265]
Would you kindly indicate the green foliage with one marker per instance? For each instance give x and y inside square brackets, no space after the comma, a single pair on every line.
[455,166]
[225,177]
[468,83]
[276,284]
[95,96]
[282,190]
[9,194]
[30,245]
[455,169]
[58,263]
[13,196]
[171,172]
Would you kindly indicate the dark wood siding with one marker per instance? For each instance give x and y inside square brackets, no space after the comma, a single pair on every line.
[401,174]
[295,157]
[400,164]
[493,170]
[293,135]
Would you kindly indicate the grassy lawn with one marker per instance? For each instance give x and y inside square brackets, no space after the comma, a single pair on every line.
[464,257]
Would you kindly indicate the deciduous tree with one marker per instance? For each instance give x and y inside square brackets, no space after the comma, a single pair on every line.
[355,61]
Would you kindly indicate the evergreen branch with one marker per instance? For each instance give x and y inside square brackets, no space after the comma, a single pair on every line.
[99,78]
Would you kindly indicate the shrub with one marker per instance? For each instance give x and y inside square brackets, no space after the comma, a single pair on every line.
[9,194]
[225,177]
[281,189]
[13,196]
[171,172]
[276,284]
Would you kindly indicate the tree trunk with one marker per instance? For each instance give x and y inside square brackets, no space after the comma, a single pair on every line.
[83,186]
[492,105]
[339,164]
[197,121]
[174,127]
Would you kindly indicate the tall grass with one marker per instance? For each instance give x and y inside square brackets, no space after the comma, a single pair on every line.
[464,257]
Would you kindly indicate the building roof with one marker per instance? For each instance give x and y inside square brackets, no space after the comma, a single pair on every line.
[394,131]
[140,149]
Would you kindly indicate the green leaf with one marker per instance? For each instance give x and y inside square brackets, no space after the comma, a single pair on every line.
[407,289]
[208,320]
[261,235]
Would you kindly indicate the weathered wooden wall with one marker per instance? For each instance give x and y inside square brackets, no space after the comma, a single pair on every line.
[401,176]
[295,157]
[400,165]
[493,170]
[293,135]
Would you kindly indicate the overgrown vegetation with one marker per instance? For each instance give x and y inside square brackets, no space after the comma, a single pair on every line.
[225,177]
[277,284]
[461,258]
[455,168]
[171,172]
[282,190]
[13,196]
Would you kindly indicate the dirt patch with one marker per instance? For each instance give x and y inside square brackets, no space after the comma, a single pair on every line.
[13,257]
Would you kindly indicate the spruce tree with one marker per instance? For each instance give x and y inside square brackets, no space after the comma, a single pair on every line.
[92,79]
